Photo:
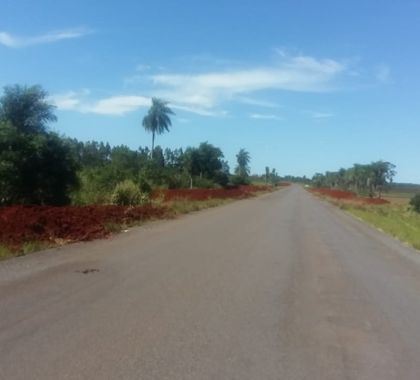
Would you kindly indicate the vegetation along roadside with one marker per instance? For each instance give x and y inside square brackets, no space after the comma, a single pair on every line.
[55,190]
[367,192]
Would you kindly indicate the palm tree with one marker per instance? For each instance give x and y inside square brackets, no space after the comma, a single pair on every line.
[243,158]
[157,119]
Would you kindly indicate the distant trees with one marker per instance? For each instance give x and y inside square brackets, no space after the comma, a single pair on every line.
[36,166]
[367,179]
[157,120]
[201,166]
[271,176]
[206,163]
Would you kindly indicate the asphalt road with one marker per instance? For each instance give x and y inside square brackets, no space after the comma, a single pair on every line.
[283,286]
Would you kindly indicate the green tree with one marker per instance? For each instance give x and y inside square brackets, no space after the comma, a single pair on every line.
[415,203]
[267,174]
[157,120]
[318,180]
[35,169]
[382,174]
[26,108]
[36,166]
[243,159]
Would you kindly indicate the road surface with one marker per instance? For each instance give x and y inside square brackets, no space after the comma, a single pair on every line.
[283,286]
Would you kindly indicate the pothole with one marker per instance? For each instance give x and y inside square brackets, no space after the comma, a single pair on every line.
[88,270]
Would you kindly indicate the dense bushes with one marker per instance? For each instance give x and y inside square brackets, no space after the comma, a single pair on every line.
[127,193]
[415,203]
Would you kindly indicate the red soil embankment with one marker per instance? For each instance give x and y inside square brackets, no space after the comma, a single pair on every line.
[20,224]
[203,194]
[348,196]
[27,223]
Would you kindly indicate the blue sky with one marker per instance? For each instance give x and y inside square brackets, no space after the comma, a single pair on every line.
[304,86]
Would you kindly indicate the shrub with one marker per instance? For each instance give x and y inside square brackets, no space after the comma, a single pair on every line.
[144,186]
[203,183]
[415,203]
[127,193]
[238,180]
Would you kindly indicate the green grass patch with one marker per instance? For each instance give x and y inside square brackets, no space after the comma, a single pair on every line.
[24,249]
[5,253]
[184,206]
[33,246]
[398,221]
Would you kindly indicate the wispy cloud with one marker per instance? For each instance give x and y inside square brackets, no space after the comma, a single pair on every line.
[322,115]
[299,74]
[207,90]
[69,101]
[265,116]
[257,102]
[118,105]
[143,67]
[198,110]
[208,93]
[183,120]
[11,41]
[114,105]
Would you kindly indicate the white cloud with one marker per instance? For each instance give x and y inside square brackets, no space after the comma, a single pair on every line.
[207,90]
[198,110]
[11,41]
[118,105]
[114,105]
[299,74]
[66,101]
[7,40]
[265,116]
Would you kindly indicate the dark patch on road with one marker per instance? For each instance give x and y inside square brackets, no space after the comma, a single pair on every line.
[88,270]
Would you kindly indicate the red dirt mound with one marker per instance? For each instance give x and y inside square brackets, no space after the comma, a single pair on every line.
[348,196]
[334,193]
[19,224]
[204,194]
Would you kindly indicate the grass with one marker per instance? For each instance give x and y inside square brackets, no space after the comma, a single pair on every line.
[184,206]
[33,246]
[5,252]
[401,198]
[24,249]
[396,220]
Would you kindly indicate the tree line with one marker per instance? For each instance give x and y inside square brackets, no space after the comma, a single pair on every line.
[369,179]
[38,166]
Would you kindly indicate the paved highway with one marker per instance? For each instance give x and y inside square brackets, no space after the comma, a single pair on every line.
[283,286]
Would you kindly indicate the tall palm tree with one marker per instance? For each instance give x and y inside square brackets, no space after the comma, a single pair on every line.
[243,158]
[157,120]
